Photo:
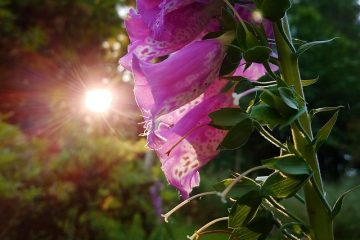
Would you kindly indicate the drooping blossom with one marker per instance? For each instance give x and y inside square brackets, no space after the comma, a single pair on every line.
[190,141]
[158,28]
[177,94]
[163,87]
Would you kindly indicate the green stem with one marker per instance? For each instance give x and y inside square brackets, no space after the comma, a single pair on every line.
[321,224]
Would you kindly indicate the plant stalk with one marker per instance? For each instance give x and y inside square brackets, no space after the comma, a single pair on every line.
[321,224]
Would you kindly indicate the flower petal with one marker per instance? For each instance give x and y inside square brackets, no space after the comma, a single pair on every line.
[191,143]
[254,72]
[163,87]
[157,31]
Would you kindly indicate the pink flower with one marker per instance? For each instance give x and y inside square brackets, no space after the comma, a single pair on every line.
[189,142]
[163,87]
[177,94]
[159,28]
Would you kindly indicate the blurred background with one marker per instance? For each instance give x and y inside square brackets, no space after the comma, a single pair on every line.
[72,164]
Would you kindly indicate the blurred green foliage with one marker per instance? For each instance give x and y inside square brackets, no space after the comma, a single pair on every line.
[78,187]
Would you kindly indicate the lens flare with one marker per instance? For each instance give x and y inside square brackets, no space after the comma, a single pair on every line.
[98,100]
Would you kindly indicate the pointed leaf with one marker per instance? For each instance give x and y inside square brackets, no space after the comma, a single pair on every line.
[339,201]
[279,185]
[227,20]
[226,118]
[309,82]
[238,135]
[257,229]
[325,131]
[244,210]
[240,189]
[313,112]
[265,114]
[292,118]
[257,54]
[306,46]
[288,97]
[289,164]
[231,61]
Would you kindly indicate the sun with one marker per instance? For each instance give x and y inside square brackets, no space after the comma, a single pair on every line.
[98,100]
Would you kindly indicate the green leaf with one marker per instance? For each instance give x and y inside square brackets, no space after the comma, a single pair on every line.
[288,97]
[258,228]
[257,54]
[313,112]
[292,118]
[273,99]
[244,210]
[238,135]
[339,202]
[241,36]
[289,164]
[265,114]
[240,189]
[279,185]
[309,82]
[275,9]
[227,20]
[306,46]
[227,118]
[231,61]
[325,131]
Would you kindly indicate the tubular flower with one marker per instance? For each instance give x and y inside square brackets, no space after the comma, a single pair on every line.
[163,87]
[177,94]
[189,141]
[158,28]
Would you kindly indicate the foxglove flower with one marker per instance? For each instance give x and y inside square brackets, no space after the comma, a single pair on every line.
[177,94]
[163,87]
[189,141]
[159,28]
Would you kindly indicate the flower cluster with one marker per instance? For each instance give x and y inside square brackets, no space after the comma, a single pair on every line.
[177,83]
